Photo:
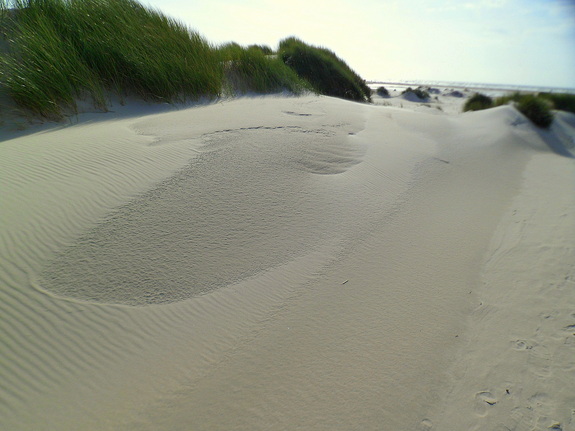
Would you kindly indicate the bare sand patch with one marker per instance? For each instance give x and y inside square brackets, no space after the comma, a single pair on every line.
[279,262]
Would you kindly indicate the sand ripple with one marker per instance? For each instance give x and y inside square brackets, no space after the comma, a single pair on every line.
[264,261]
[246,204]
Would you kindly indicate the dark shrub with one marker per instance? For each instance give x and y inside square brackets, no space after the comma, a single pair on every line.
[478,102]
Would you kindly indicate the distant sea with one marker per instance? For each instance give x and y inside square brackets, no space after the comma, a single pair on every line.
[491,88]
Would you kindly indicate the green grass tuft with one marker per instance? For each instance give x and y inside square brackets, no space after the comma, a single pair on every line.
[478,102]
[251,70]
[534,107]
[537,109]
[327,73]
[561,101]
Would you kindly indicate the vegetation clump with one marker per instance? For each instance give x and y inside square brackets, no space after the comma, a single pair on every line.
[56,52]
[514,97]
[252,70]
[382,91]
[534,107]
[327,73]
[419,92]
[478,102]
[561,101]
[455,93]
[64,50]
[537,109]
[263,48]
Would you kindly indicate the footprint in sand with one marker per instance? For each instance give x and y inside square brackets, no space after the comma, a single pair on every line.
[521,345]
[484,400]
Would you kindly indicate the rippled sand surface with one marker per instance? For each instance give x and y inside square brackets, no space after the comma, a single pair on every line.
[275,263]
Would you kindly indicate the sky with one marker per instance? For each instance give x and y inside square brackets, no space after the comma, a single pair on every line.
[517,42]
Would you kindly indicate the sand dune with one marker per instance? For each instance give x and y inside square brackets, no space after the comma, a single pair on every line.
[288,263]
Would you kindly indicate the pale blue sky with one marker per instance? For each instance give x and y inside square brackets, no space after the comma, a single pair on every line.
[521,42]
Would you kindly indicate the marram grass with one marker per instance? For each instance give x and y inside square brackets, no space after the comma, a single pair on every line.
[255,69]
[478,102]
[325,71]
[63,50]
[536,107]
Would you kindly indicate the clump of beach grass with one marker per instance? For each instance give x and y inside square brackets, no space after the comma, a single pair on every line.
[561,101]
[263,48]
[325,71]
[419,92]
[514,97]
[382,91]
[535,107]
[478,102]
[61,51]
[252,70]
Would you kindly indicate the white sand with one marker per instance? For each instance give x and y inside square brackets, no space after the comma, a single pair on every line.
[288,263]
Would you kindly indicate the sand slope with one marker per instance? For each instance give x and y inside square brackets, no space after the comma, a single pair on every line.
[283,263]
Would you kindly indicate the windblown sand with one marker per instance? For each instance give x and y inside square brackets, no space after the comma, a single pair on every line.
[278,263]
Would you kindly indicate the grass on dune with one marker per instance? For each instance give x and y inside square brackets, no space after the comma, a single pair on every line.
[61,51]
[253,69]
[514,97]
[561,101]
[536,107]
[382,91]
[325,71]
[478,102]
[419,92]
[64,50]
[533,106]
